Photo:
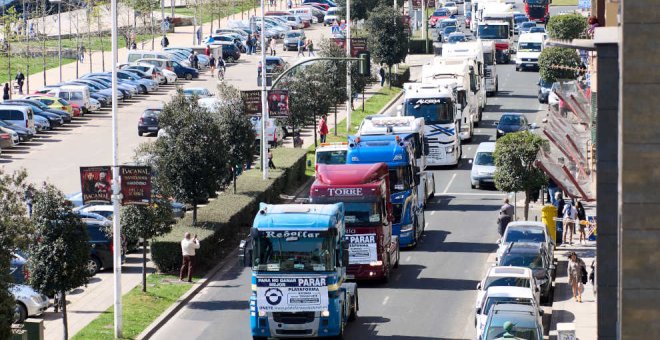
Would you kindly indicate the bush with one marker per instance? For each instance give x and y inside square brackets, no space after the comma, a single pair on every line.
[552,58]
[567,26]
[401,77]
[416,46]
[227,219]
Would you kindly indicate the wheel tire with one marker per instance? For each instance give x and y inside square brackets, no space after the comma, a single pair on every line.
[20,313]
[473,186]
[497,86]
[188,76]
[398,257]
[353,316]
[144,89]
[231,59]
[140,133]
[94,265]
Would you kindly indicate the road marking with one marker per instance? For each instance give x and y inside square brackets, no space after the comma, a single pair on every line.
[449,184]
[387,298]
[426,225]
[432,212]
[408,258]
[469,148]
[470,194]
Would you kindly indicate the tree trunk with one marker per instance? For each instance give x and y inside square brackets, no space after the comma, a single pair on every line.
[233,172]
[389,78]
[194,219]
[316,144]
[64,318]
[336,120]
[101,39]
[528,195]
[144,263]
[153,36]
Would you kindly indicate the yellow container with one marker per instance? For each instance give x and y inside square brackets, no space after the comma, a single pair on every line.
[548,213]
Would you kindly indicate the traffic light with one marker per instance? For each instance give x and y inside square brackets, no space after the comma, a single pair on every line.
[364,64]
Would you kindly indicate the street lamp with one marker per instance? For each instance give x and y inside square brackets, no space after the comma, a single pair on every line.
[349,94]
[59,34]
[264,104]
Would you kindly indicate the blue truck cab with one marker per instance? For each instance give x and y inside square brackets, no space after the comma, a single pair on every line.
[299,257]
[404,180]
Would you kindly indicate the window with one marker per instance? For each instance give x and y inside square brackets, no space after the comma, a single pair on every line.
[524,235]
[281,252]
[523,260]
[331,157]
[484,158]
[400,179]
[489,58]
[76,95]
[133,57]
[63,95]
[497,300]
[529,47]
[511,120]
[506,282]
[433,110]
[362,213]
[493,32]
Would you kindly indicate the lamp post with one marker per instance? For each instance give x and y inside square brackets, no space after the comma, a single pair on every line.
[349,94]
[59,34]
[264,93]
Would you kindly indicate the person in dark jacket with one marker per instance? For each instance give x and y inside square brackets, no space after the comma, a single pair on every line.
[5,92]
[559,224]
[582,221]
[20,79]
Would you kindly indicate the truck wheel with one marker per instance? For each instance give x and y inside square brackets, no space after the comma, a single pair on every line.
[497,86]
[388,274]
[259,338]
[398,257]
[354,310]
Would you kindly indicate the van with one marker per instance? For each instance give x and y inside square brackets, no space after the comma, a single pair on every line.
[76,94]
[483,165]
[18,115]
[529,48]
[134,55]
[162,63]
[304,13]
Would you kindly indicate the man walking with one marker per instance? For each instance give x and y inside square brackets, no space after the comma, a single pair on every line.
[199,35]
[506,215]
[164,42]
[381,73]
[188,247]
[301,47]
[20,78]
[323,128]
[310,47]
[212,65]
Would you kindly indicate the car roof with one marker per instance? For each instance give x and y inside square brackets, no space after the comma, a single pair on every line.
[486,147]
[507,291]
[512,114]
[524,248]
[509,271]
[525,226]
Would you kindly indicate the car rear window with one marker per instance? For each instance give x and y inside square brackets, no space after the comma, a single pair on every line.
[151,113]
[76,96]
[11,115]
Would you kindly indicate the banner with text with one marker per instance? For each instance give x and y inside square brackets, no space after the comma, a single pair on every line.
[251,101]
[292,294]
[278,103]
[362,248]
[96,184]
[135,185]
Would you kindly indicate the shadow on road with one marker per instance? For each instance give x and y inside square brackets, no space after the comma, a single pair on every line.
[219,305]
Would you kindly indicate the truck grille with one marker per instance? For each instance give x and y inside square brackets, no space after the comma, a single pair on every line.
[488,73]
[294,331]
[293,318]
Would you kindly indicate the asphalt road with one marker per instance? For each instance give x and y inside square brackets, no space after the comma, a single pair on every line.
[431,295]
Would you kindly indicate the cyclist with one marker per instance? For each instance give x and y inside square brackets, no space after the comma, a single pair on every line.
[221,68]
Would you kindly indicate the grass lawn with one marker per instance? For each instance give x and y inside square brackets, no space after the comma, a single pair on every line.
[564,3]
[36,66]
[140,309]
[371,106]
[225,11]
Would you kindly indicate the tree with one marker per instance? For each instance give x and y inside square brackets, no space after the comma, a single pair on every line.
[235,127]
[146,222]
[188,158]
[60,255]
[9,18]
[558,63]
[514,155]
[360,9]
[14,228]
[388,41]
[567,26]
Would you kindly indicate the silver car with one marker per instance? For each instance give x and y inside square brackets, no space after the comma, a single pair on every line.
[28,302]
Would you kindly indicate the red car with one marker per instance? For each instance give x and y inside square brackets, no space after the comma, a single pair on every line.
[320,6]
[438,16]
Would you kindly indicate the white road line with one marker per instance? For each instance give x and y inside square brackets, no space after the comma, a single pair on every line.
[426,225]
[432,212]
[408,258]
[387,298]
[453,176]
[470,194]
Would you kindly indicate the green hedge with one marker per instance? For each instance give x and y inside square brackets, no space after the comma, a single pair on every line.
[416,46]
[401,77]
[227,219]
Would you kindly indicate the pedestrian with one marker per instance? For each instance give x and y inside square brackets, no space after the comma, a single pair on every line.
[164,42]
[323,128]
[133,38]
[81,53]
[20,78]
[195,60]
[582,221]
[259,69]
[273,46]
[207,51]
[569,213]
[29,196]
[289,4]
[381,73]
[188,247]
[254,44]
[559,224]
[301,47]
[310,46]
[505,216]
[5,92]
[199,35]
[249,44]
[577,275]
[271,165]
[212,65]
[133,46]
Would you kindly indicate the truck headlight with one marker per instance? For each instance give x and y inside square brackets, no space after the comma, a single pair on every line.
[262,313]
[376,263]
[407,227]
[325,314]
[500,131]
[450,149]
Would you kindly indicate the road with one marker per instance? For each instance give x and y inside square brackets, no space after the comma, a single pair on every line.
[431,295]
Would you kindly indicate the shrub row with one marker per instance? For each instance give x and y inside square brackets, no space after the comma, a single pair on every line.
[227,219]
[416,46]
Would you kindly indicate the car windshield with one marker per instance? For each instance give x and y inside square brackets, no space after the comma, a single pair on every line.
[192,92]
[506,282]
[510,120]
[520,331]
[528,24]
[484,158]
[519,18]
[450,29]
[400,179]
[291,251]
[456,38]
[293,35]
[492,300]
[524,235]
[493,32]
[529,47]
[441,13]
[433,110]
[362,213]
[532,261]
[331,157]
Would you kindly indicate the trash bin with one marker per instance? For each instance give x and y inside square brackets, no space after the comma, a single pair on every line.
[437,48]
[548,213]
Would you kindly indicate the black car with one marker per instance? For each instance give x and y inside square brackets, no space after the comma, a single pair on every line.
[544,90]
[101,246]
[511,122]
[275,64]
[149,121]
[230,53]
[66,117]
[534,256]
[53,119]
[24,134]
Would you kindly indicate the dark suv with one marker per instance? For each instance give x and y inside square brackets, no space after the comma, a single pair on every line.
[101,246]
[230,53]
[149,121]
[534,256]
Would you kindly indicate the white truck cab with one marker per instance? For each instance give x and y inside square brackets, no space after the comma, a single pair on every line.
[473,52]
[331,153]
[490,68]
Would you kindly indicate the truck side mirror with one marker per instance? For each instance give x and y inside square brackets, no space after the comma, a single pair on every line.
[244,253]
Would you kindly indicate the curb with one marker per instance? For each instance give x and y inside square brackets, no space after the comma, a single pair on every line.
[185,298]
[390,103]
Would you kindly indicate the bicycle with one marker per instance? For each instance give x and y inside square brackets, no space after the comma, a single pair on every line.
[221,73]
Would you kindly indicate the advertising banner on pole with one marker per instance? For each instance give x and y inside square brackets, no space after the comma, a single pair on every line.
[357,45]
[135,185]
[278,103]
[96,184]
[292,294]
[362,249]
[251,101]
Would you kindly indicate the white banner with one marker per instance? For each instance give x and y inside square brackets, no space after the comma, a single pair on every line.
[292,294]
[362,248]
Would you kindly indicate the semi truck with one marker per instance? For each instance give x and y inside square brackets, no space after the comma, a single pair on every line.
[473,53]
[408,209]
[490,70]
[299,254]
[364,189]
[537,10]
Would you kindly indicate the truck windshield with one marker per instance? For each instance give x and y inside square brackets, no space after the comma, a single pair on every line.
[331,157]
[537,2]
[362,213]
[279,251]
[493,32]
[400,179]
[529,47]
[433,110]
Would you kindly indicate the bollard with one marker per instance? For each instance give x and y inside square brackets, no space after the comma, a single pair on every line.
[35,329]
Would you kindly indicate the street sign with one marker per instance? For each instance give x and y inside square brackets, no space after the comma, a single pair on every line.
[357,45]
[135,185]
[251,101]
[96,184]
[278,103]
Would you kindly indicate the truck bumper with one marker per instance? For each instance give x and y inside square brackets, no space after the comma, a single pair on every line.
[365,272]
[295,325]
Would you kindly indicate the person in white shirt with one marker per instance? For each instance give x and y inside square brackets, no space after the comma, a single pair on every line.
[188,247]
[570,213]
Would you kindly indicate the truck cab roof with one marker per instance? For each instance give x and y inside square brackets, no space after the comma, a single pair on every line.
[299,217]
[383,125]
[378,148]
[420,90]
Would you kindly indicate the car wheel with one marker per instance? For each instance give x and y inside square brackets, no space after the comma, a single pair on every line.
[231,59]
[140,133]
[144,89]
[473,186]
[189,76]
[93,265]
[20,313]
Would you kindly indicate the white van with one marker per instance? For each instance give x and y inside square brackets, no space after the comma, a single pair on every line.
[18,115]
[483,165]
[305,14]
[76,94]
[529,48]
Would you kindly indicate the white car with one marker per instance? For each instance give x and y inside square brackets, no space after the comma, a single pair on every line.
[483,165]
[526,231]
[451,7]
[170,76]
[28,302]
[200,92]
[495,295]
[94,105]
[105,210]
[501,276]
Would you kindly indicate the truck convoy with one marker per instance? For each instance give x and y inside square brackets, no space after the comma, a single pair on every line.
[299,257]
[364,189]
[493,21]
[408,209]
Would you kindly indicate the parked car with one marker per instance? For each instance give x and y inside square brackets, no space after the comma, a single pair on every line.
[524,322]
[18,267]
[66,117]
[295,22]
[506,277]
[149,121]
[101,246]
[54,103]
[291,39]
[150,70]
[497,295]
[535,257]
[331,16]
[19,115]
[438,15]
[78,95]
[275,64]
[526,231]
[24,134]
[187,73]
[28,302]
[483,165]
[230,53]
[197,91]
[451,7]
[41,124]
[511,122]
[544,90]
[53,119]
[105,210]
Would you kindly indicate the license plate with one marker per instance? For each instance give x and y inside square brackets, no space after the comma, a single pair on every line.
[529,65]
[153,128]
[350,277]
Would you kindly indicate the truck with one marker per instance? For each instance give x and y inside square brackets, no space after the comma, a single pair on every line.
[495,11]
[331,153]
[497,32]
[364,189]
[408,209]
[471,51]
[438,106]
[490,70]
[414,129]
[299,255]
[537,10]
